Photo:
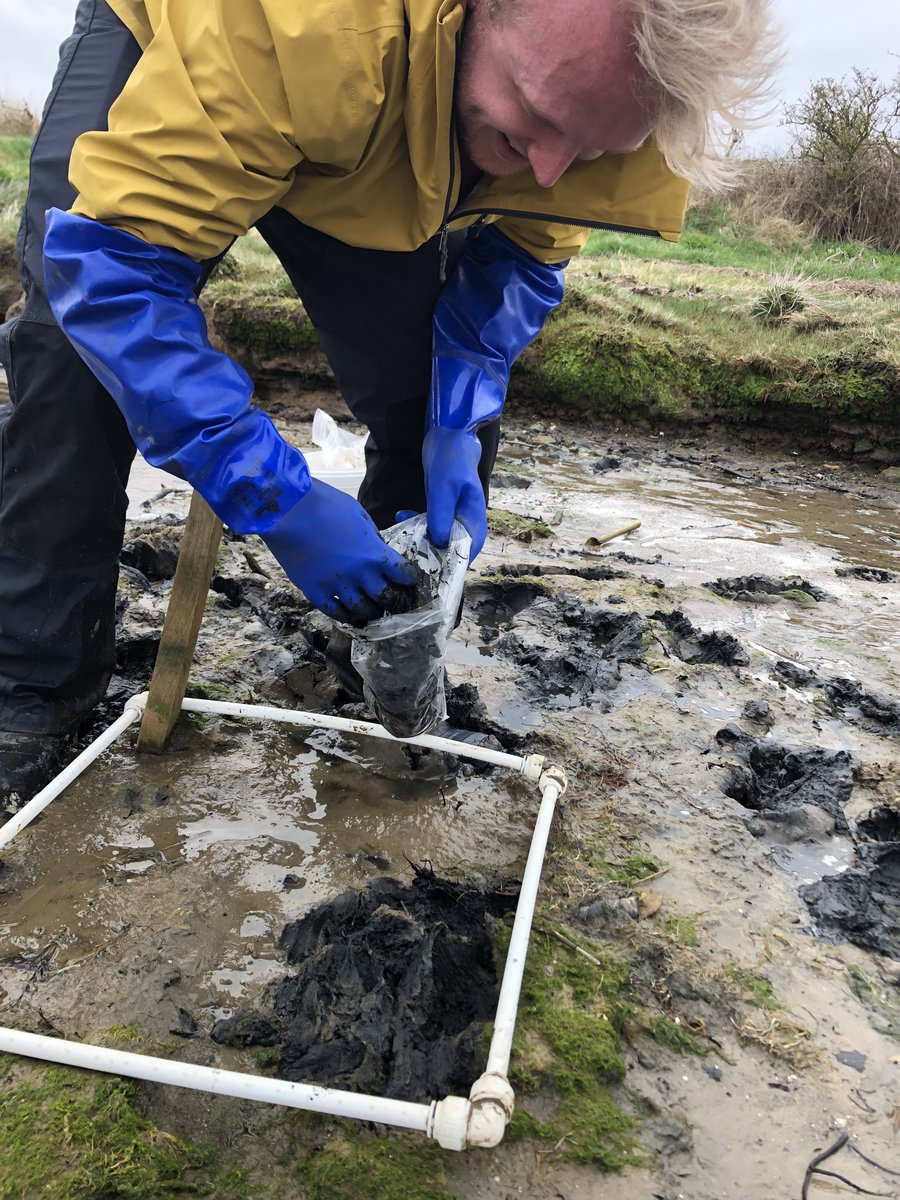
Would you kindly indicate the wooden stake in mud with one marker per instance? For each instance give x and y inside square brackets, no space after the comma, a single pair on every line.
[196,559]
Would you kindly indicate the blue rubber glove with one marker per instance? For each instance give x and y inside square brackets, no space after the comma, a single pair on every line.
[453,488]
[129,309]
[495,304]
[330,549]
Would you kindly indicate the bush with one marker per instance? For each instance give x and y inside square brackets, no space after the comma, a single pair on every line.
[842,182]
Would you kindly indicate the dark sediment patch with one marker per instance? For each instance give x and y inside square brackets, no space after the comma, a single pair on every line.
[693,645]
[155,560]
[881,825]
[868,574]
[393,987]
[634,561]
[780,782]
[282,609]
[543,570]
[561,678]
[849,699]
[866,708]
[505,479]
[136,655]
[592,644]
[794,675]
[234,590]
[862,905]
[246,1028]
[153,548]
[134,579]
[615,635]
[763,589]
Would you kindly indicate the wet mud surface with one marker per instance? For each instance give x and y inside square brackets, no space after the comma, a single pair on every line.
[730,830]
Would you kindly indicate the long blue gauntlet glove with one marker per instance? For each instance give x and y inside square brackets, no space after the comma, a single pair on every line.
[495,303]
[129,309]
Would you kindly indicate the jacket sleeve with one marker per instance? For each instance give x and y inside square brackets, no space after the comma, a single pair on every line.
[129,309]
[200,142]
[548,242]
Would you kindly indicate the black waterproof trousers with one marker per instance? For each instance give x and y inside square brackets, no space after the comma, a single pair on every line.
[65,452]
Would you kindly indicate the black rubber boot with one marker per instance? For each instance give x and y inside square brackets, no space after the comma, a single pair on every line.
[28,762]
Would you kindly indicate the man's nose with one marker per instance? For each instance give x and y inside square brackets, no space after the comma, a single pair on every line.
[549,159]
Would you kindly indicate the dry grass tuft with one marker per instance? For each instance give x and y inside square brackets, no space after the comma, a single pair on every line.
[17,119]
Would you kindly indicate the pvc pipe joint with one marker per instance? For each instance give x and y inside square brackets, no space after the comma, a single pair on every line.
[492,1101]
[480,1121]
[555,775]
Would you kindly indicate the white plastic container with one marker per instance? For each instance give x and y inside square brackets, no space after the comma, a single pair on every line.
[345,479]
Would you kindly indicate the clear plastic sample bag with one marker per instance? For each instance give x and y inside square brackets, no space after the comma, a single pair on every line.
[401,656]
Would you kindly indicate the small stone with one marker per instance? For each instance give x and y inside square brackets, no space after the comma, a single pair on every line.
[629,905]
[757,710]
[853,1059]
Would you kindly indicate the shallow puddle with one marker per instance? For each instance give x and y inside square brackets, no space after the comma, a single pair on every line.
[863,533]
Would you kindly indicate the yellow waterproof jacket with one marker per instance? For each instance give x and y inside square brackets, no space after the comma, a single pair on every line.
[339,111]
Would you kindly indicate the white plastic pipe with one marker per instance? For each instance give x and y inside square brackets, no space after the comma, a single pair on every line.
[483,1120]
[222,1083]
[552,784]
[531,766]
[45,796]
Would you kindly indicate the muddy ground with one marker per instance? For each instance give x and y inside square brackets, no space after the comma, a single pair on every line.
[721,686]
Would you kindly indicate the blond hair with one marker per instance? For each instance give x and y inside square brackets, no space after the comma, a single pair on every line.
[710,65]
[707,73]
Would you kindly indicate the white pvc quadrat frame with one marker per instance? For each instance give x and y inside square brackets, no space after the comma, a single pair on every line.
[456,1122]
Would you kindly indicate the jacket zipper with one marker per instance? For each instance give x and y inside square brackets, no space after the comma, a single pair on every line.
[445,220]
[556,220]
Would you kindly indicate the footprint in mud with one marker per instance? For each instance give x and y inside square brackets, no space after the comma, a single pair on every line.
[789,787]
[764,589]
[696,646]
[868,574]
[862,905]
[854,703]
[497,603]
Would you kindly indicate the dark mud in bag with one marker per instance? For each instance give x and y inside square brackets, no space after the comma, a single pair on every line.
[401,656]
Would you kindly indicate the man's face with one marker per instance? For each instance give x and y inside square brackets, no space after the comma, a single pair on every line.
[545,83]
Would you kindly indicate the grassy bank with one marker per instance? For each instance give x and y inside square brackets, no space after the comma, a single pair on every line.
[737,324]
